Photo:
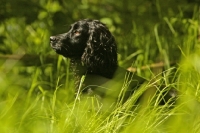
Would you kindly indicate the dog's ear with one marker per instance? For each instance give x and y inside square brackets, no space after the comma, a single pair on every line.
[100,55]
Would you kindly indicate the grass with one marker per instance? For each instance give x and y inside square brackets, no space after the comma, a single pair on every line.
[54,112]
[40,99]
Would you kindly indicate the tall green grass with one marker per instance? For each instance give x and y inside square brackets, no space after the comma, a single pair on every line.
[40,99]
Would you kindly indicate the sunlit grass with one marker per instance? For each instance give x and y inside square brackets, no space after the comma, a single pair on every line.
[51,111]
[40,99]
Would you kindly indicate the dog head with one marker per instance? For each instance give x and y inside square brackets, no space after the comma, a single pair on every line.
[91,42]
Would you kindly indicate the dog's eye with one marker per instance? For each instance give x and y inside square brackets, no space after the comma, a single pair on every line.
[77,33]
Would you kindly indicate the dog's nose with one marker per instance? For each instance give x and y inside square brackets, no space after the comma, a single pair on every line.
[52,38]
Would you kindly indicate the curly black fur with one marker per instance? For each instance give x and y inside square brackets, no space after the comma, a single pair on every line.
[91,48]
[93,52]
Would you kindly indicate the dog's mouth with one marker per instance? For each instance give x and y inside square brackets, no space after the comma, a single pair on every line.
[55,47]
[59,49]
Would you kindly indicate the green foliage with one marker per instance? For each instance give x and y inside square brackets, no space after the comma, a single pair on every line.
[39,97]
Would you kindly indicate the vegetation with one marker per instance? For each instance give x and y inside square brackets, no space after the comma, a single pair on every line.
[36,88]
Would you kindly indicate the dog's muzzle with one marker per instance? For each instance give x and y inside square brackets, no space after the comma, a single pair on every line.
[52,39]
[53,42]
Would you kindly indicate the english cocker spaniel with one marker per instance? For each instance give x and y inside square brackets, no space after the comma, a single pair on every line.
[93,54]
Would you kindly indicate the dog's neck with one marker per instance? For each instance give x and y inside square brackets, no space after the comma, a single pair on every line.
[78,69]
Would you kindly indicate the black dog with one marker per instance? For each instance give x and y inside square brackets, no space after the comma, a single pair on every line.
[93,53]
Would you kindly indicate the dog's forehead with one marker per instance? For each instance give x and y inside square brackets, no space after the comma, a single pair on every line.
[79,24]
